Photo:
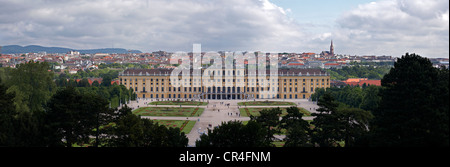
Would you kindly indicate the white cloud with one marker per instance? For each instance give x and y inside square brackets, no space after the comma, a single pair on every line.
[390,27]
[395,27]
[150,25]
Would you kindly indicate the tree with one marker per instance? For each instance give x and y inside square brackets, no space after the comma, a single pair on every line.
[355,124]
[326,131]
[72,116]
[106,81]
[128,132]
[370,98]
[95,84]
[84,83]
[235,134]
[335,123]
[7,113]
[414,108]
[269,119]
[132,131]
[297,128]
[33,85]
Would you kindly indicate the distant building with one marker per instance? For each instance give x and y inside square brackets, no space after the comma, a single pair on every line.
[361,81]
[332,48]
[328,54]
[314,64]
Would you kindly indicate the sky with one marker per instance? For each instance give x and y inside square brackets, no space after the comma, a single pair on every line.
[357,27]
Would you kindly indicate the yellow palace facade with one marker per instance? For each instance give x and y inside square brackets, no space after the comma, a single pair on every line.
[229,84]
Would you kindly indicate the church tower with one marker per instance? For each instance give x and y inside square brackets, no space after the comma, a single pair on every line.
[332,48]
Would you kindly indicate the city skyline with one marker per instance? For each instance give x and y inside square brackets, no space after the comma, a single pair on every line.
[384,27]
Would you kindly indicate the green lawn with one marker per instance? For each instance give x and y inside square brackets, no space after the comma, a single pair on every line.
[279,143]
[184,103]
[255,111]
[169,111]
[177,124]
[267,103]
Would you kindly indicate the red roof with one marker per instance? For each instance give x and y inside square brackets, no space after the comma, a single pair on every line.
[332,64]
[362,82]
[355,79]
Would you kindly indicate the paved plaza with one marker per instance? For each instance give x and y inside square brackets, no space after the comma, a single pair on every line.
[218,111]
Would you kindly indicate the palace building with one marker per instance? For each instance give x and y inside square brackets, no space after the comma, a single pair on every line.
[232,84]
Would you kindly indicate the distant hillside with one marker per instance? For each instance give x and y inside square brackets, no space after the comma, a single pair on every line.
[16,49]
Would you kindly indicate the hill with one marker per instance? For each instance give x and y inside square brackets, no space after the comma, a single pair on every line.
[16,49]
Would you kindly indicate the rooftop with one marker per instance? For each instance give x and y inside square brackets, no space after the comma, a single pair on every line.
[281,72]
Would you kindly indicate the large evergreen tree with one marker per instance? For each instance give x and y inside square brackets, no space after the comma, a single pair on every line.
[269,119]
[326,131]
[297,128]
[414,108]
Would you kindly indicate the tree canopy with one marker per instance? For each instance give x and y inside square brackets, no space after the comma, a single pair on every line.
[414,108]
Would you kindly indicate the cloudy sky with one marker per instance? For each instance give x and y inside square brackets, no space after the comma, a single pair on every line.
[357,27]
